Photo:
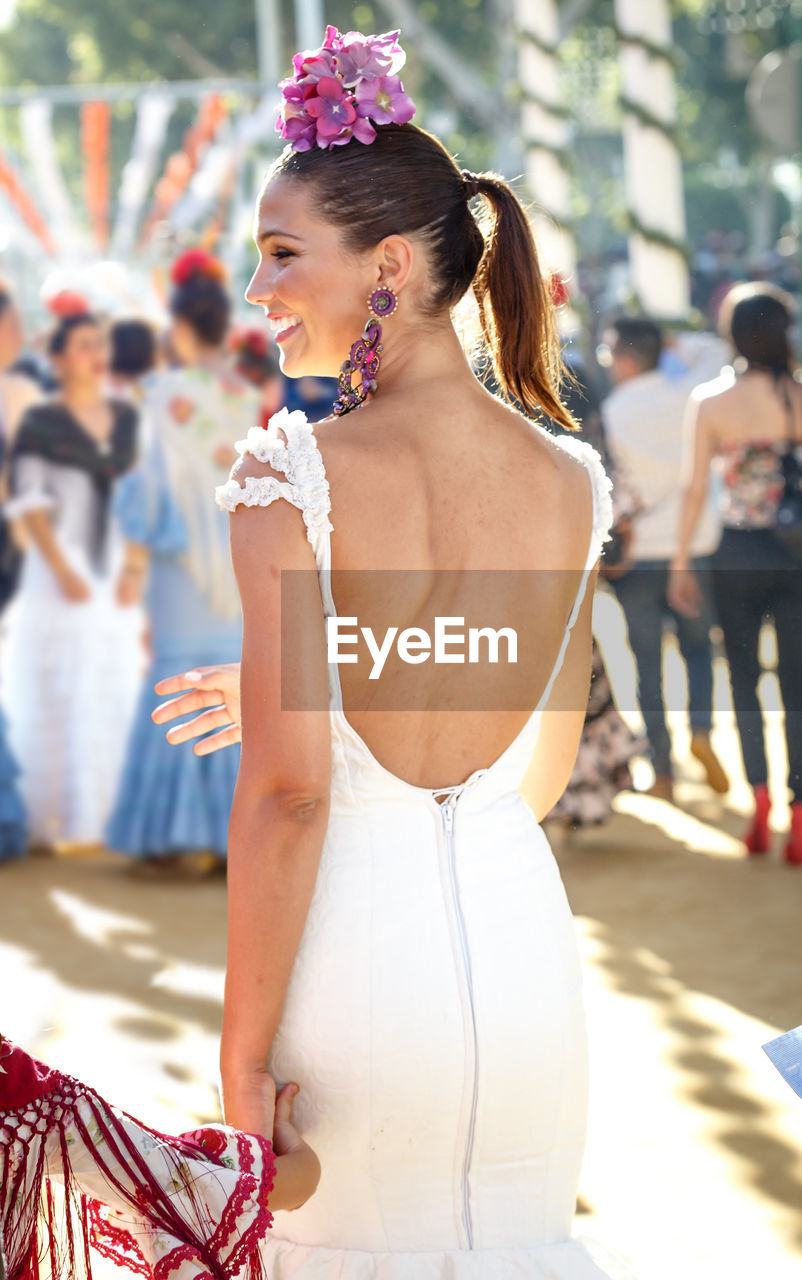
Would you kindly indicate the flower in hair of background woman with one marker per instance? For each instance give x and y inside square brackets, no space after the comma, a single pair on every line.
[256,359]
[74,656]
[171,803]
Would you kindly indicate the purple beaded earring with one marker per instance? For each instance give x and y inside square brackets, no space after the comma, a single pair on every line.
[365,356]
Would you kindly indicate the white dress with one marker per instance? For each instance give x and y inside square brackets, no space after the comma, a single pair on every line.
[71,672]
[434,1016]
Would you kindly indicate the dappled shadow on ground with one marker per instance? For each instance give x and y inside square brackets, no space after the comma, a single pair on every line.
[88,922]
[676,909]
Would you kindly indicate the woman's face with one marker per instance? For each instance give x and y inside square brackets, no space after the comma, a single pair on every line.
[10,335]
[85,358]
[313,291]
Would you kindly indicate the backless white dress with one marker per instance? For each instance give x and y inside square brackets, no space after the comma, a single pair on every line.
[434,1016]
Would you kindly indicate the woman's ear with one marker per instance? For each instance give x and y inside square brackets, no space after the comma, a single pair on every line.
[395,258]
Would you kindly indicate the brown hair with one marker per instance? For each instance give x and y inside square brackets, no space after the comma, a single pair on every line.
[756,319]
[406,182]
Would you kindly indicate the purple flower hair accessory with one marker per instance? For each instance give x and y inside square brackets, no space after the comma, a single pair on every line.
[342,90]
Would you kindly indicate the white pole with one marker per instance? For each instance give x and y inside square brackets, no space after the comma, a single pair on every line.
[268,41]
[652,161]
[546,133]
[310,25]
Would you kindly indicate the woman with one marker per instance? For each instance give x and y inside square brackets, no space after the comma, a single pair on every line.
[16,395]
[173,804]
[256,359]
[71,645]
[607,746]
[134,353]
[742,423]
[401,947]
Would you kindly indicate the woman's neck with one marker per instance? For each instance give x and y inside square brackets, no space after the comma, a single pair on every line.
[422,357]
[742,366]
[83,396]
[209,358]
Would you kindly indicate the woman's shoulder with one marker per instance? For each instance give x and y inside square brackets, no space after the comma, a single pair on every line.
[281,461]
[723,385]
[581,463]
[39,422]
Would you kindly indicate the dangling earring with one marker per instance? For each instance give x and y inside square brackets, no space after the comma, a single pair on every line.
[364,359]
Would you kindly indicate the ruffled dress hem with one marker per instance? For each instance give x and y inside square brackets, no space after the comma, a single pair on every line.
[574,1259]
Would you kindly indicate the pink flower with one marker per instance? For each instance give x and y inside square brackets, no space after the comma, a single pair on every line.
[331,109]
[384,101]
[390,49]
[212,1140]
[337,90]
[333,39]
[361,129]
[358,60]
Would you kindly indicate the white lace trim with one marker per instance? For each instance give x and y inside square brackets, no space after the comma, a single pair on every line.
[600,481]
[298,456]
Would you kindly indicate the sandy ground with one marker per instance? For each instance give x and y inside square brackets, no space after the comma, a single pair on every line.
[693,960]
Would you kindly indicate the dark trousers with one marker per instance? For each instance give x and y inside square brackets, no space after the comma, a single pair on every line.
[642,594]
[755,578]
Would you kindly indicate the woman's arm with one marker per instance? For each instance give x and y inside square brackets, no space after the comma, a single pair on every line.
[698,452]
[281,802]
[36,523]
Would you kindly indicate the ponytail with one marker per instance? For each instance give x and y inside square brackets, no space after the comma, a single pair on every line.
[515,306]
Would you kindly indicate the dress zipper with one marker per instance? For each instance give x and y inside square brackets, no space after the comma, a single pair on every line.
[447,811]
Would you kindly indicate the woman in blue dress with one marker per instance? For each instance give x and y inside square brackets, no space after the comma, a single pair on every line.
[174,803]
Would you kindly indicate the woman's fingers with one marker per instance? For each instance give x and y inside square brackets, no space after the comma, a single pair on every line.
[193,679]
[216,718]
[216,741]
[185,704]
[284,1100]
[224,677]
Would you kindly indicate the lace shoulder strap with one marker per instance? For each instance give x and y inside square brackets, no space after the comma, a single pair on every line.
[289,446]
[601,486]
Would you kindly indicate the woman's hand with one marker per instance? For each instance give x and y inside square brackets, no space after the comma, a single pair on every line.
[211,691]
[130,585]
[251,1105]
[684,593]
[73,587]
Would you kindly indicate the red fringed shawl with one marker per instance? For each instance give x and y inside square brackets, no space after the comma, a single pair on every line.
[165,1208]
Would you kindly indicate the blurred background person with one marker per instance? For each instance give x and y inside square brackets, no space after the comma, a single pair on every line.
[173,803]
[643,420]
[607,746]
[72,658]
[256,359]
[745,423]
[17,393]
[133,356]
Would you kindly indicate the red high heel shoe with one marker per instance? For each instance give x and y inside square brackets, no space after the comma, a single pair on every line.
[758,837]
[793,848]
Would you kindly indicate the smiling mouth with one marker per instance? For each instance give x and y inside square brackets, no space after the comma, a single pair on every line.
[283,326]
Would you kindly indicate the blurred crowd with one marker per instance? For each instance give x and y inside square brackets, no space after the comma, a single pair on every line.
[115,574]
[114,561]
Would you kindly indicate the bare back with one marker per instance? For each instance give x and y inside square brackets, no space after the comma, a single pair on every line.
[417,495]
[750,409]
